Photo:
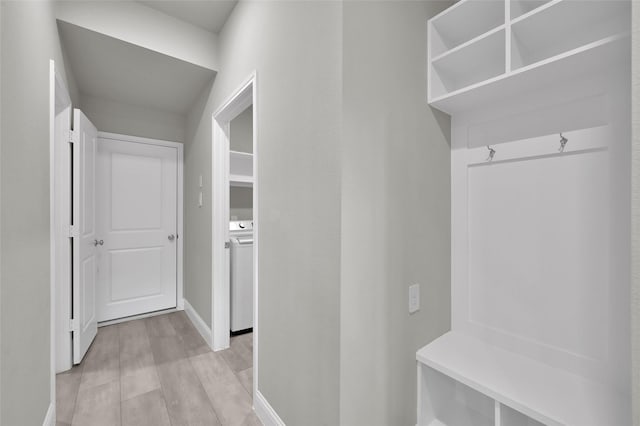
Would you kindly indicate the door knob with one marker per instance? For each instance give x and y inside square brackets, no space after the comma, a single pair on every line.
[98,242]
[171,237]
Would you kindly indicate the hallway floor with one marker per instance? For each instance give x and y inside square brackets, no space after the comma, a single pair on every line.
[158,371]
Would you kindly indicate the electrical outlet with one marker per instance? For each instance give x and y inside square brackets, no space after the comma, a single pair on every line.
[414,298]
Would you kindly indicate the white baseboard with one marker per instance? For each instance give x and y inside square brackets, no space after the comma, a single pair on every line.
[198,323]
[50,417]
[265,411]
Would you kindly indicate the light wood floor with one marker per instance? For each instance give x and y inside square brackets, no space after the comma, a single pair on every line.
[158,371]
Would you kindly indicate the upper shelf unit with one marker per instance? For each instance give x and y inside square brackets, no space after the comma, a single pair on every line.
[240,168]
[477,47]
[478,16]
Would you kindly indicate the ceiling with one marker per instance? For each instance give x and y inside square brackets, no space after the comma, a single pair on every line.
[114,70]
[209,15]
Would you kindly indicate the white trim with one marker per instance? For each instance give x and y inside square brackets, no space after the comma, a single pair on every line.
[198,323]
[137,317]
[59,277]
[50,417]
[242,98]
[138,139]
[180,202]
[60,217]
[256,230]
[53,239]
[265,411]
[220,321]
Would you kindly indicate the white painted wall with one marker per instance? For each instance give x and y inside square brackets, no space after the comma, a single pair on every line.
[29,39]
[242,132]
[241,203]
[138,24]
[295,47]
[395,210]
[117,117]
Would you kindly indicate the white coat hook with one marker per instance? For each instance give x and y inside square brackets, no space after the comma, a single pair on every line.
[492,152]
[563,143]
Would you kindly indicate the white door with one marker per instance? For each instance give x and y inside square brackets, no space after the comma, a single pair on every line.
[85,242]
[137,219]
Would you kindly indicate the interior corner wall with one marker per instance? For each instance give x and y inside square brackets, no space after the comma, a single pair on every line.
[395,210]
[29,40]
[295,48]
[635,210]
[132,120]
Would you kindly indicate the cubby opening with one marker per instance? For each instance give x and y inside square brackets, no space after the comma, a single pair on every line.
[448,402]
[473,63]
[521,7]
[479,16]
[511,417]
[565,26]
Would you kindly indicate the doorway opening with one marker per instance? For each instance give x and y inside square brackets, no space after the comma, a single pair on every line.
[116,226]
[235,168]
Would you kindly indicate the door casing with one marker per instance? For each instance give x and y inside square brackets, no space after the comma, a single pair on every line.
[61,348]
[244,96]
[180,214]
[104,167]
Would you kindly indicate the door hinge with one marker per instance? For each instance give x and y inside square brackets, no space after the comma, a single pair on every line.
[227,244]
[72,136]
[73,325]
[73,231]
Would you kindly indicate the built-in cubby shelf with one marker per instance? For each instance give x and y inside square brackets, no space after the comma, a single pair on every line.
[479,16]
[562,26]
[452,71]
[464,381]
[478,43]
[522,7]
[240,168]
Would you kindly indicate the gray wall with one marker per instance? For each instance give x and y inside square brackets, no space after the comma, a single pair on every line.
[241,203]
[29,39]
[295,47]
[116,117]
[242,132]
[396,158]
[635,212]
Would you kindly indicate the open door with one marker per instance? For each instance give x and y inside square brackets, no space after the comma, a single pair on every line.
[85,263]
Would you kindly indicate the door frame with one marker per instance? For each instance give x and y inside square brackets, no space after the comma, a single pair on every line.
[61,352]
[244,96]
[179,214]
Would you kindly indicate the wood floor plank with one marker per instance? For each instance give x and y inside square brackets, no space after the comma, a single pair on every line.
[159,326]
[186,399]
[167,349]
[102,361]
[148,409]
[193,342]
[98,405]
[229,398]
[239,355]
[67,386]
[252,420]
[135,348]
[212,367]
[246,379]
[138,373]
[141,381]
[159,371]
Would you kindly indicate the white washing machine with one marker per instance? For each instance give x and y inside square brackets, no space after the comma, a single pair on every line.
[241,275]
